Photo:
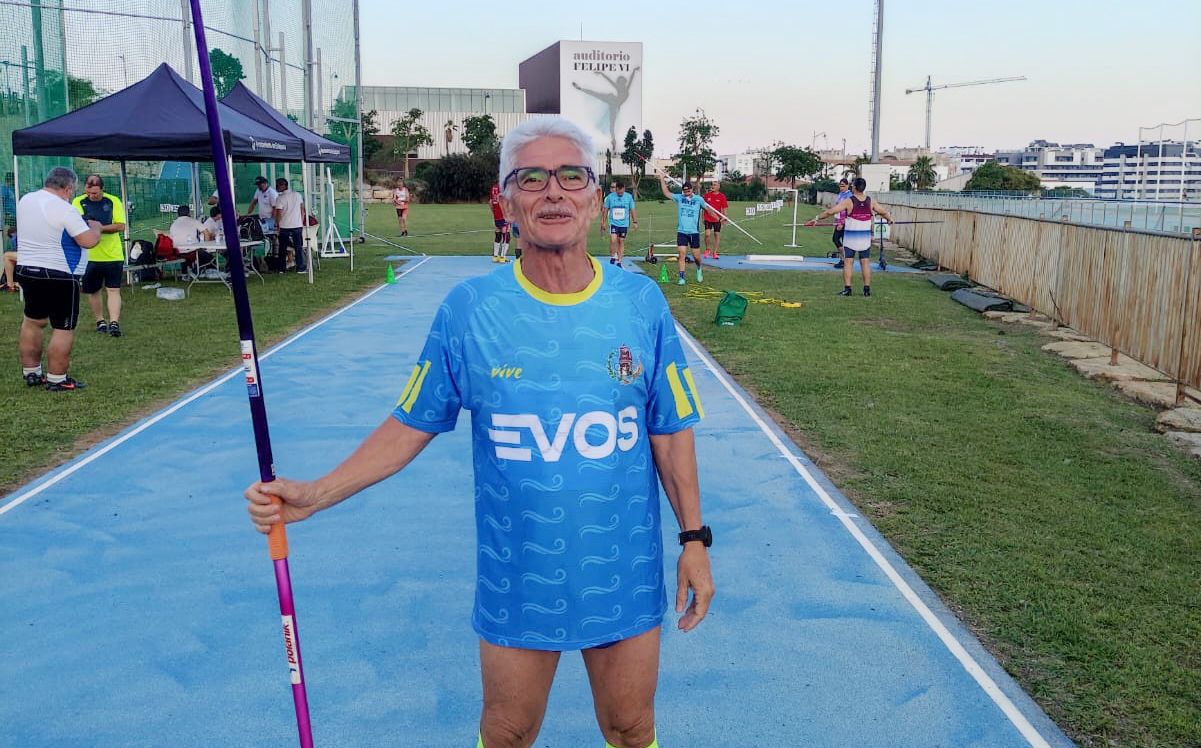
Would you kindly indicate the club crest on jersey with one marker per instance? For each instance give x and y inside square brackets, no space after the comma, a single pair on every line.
[623,366]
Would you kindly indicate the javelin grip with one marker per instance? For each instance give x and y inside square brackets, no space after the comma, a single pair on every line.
[277,539]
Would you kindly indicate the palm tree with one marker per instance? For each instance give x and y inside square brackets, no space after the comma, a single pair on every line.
[451,127]
[856,165]
[922,175]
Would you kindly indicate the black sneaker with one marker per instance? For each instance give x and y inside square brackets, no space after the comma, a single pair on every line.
[65,385]
[102,327]
[34,379]
[845,292]
[114,329]
[612,260]
[867,290]
[839,265]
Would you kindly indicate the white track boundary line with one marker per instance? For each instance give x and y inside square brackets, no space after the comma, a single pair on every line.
[990,687]
[69,471]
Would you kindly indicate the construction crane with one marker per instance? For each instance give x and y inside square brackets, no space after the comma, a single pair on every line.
[930,89]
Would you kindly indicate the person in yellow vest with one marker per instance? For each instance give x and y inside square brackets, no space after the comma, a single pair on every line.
[106,260]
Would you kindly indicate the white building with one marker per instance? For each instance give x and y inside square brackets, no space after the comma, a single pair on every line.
[1071,165]
[745,164]
[438,106]
[1165,170]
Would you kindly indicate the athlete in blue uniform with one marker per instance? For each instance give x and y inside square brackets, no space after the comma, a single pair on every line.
[581,402]
[688,234]
[616,219]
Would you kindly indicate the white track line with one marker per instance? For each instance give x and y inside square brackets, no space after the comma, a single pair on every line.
[973,668]
[21,499]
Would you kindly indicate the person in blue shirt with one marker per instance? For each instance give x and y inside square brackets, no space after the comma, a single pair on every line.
[688,233]
[582,402]
[844,192]
[616,218]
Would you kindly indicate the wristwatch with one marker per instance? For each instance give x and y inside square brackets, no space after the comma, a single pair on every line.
[704,535]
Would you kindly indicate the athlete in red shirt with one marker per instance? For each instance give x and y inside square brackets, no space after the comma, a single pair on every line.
[713,221]
[500,239]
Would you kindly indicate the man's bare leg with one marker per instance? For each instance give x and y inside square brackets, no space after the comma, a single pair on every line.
[58,353]
[30,342]
[114,304]
[516,687]
[96,305]
[624,678]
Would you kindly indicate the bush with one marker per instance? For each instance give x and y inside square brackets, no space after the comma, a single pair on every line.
[460,178]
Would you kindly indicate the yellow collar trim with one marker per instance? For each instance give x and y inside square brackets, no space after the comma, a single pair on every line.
[560,299]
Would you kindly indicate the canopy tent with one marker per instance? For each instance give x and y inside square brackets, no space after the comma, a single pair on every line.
[317,149]
[159,117]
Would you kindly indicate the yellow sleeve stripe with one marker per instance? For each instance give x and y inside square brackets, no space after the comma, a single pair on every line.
[683,407]
[696,398]
[408,385]
[416,390]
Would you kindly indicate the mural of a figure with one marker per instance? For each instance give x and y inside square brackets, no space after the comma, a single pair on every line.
[614,101]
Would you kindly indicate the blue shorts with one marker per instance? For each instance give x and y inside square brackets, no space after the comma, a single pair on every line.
[688,240]
[513,229]
[619,231]
[500,223]
[850,254]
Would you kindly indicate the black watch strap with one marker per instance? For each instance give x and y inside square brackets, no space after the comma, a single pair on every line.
[704,535]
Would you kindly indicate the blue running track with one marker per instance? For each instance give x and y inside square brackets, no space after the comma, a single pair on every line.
[138,608]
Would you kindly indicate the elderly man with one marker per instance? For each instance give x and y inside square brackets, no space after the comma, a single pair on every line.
[50,259]
[566,467]
[106,260]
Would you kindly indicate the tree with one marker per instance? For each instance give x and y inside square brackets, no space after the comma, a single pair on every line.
[856,166]
[408,134]
[896,184]
[371,144]
[636,152]
[479,134]
[227,71]
[450,128]
[994,176]
[696,154]
[1065,191]
[793,163]
[80,91]
[921,174]
[347,132]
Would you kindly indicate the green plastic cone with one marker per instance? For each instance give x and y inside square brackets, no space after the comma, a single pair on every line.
[390,277]
[663,278]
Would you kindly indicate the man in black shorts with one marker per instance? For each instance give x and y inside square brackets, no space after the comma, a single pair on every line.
[106,260]
[50,259]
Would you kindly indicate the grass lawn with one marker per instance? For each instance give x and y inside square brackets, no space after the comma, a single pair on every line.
[1038,504]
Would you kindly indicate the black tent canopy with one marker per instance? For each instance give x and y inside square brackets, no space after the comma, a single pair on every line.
[160,117]
[317,149]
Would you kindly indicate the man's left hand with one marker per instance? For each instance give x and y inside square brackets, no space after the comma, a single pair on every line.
[692,573]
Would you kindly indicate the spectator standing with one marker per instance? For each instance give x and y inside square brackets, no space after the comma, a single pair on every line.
[50,259]
[718,206]
[400,201]
[106,260]
[289,217]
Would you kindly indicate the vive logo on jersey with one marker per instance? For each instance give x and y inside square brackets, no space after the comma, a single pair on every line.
[508,434]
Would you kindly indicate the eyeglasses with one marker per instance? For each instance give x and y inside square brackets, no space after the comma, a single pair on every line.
[93,184]
[537,179]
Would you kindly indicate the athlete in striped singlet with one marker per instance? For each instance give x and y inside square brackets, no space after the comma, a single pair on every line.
[857,233]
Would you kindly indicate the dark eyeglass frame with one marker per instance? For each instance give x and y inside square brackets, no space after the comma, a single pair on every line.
[551,173]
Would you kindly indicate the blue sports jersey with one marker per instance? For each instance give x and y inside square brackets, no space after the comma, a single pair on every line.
[689,212]
[564,391]
[619,208]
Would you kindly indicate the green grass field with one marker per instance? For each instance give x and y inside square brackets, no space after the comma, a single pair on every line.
[1038,504]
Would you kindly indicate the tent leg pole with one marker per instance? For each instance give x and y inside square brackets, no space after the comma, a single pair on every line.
[16,182]
[308,251]
[125,205]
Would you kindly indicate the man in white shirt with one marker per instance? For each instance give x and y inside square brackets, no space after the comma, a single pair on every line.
[187,230]
[290,218]
[264,199]
[50,261]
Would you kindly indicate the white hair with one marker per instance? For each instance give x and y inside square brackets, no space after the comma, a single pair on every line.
[544,127]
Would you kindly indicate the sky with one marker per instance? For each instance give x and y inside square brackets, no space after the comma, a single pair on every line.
[790,71]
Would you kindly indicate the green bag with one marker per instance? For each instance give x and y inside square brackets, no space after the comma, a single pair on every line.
[731,309]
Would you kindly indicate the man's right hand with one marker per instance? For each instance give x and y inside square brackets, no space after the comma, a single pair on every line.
[811,223]
[281,500]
